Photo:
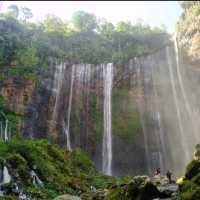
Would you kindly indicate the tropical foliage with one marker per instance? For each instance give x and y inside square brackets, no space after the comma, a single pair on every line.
[188,28]
[82,39]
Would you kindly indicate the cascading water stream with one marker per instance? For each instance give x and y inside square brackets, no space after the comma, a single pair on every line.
[139,82]
[186,101]
[172,79]
[6,131]
[1,130]
[67,133]
[6,176]
[107,137]
[5,179]
[160,135]
[58,80]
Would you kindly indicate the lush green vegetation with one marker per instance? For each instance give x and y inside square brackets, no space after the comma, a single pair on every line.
[188,28]
[61,171]
[190,188]
[25,47]
[64,172]
[13,118]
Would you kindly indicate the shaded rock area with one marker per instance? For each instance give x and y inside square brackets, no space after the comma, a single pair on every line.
[169,191]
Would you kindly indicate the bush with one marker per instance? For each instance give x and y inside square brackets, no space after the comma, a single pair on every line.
[9,197]
[192,169]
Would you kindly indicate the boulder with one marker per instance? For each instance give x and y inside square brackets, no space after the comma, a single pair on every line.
[169,190]
[67,197]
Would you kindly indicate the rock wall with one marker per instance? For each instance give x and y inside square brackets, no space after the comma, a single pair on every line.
[150,124]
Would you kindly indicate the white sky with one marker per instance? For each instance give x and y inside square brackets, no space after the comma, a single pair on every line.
[153,13]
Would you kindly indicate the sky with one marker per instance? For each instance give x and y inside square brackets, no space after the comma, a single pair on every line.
[153,13]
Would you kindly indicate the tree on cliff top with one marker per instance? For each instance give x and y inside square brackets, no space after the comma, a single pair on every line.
[187,4]
[84,21]
[13,10]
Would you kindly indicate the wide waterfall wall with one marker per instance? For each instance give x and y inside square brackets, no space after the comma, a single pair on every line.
[75,108]
[68,108]
[131,119]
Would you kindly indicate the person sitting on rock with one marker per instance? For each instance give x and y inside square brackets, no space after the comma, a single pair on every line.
[169,176]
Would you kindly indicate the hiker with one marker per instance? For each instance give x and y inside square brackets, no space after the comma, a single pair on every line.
[157,171]
[169,176]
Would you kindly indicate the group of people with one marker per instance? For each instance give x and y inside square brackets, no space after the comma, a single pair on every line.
[168,174]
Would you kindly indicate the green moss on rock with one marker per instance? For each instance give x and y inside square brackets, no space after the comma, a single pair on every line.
[192,169]
[61,171]
[125,117]
[190,188]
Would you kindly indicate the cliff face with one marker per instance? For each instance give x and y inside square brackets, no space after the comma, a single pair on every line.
[188,32]
[18,94]
[47,111]
[149,117]
[150,123]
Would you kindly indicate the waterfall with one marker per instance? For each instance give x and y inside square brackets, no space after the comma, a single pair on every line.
[1,130]
[67,133]
[186,101]
[157,111]
[6,176]
[175,96]
[107,137]
[141,110]
[36,179]
[6,131]
[163,112]
[58,80]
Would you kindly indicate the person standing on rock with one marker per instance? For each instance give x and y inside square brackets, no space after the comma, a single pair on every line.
[169,176]
[157,172]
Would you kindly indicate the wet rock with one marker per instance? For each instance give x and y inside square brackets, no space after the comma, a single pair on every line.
[170,190]
[67,197]
[18,94]
[160,180]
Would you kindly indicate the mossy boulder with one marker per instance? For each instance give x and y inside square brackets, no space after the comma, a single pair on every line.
[192,169]
[133,191]
[138,188]
[189,191]
[190,187]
